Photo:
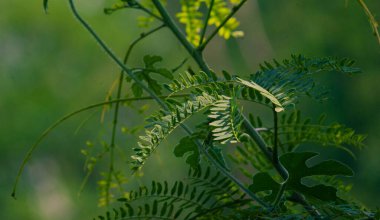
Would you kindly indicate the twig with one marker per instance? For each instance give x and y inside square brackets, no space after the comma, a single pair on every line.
[205,25]
[229,16]
[374,24]
[197,56]
[116,112]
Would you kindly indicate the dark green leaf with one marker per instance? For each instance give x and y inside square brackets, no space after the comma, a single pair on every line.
[187,145]
[137,90]
[295,163]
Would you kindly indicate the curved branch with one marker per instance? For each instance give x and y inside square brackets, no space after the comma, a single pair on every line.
[60,121]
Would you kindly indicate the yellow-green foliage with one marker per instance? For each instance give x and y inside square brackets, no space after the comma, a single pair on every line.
[191,16]
[219,13]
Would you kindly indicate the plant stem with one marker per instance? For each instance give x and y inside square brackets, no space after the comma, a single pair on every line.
[371,18]
[116,113]
[113,137]
[279,195]
[275,136]
[197,56]
[141,37]
[126,58]
[229,16]
[234,179]
[276,160]
[264,148]
[206,22]
[112,55]
[202,64]
[147,11]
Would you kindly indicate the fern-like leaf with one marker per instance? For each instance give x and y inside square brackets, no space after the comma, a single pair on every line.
[292,78]
[208,191]
[294,130]
[243,89]
[164,124]
[226,120]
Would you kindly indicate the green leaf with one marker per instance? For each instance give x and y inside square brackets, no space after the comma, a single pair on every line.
[187,146]
[144,74]
[295,130]
[292,78]
[295,164]
[150,61]
[137,90]
[163,124]
[263,92]
[225,120]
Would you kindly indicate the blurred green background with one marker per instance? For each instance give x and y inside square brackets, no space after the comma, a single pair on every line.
[50,66]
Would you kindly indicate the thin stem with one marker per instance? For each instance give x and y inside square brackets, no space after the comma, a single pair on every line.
[141,37]
[279,194]
[126,58]
[197,56]
[205,25]
[229,16]
[278,166]
[136,6]
[140,6]
[276,160]
[113,56]
[264,148]
[234,179]
[113,137]
[275,136]
[371,18]
[116,113]
[179,66]
[298,198]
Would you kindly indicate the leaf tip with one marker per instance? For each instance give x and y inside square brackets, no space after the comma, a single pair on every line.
[279,109]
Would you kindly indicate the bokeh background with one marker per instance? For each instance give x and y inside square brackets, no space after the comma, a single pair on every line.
[50,66]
